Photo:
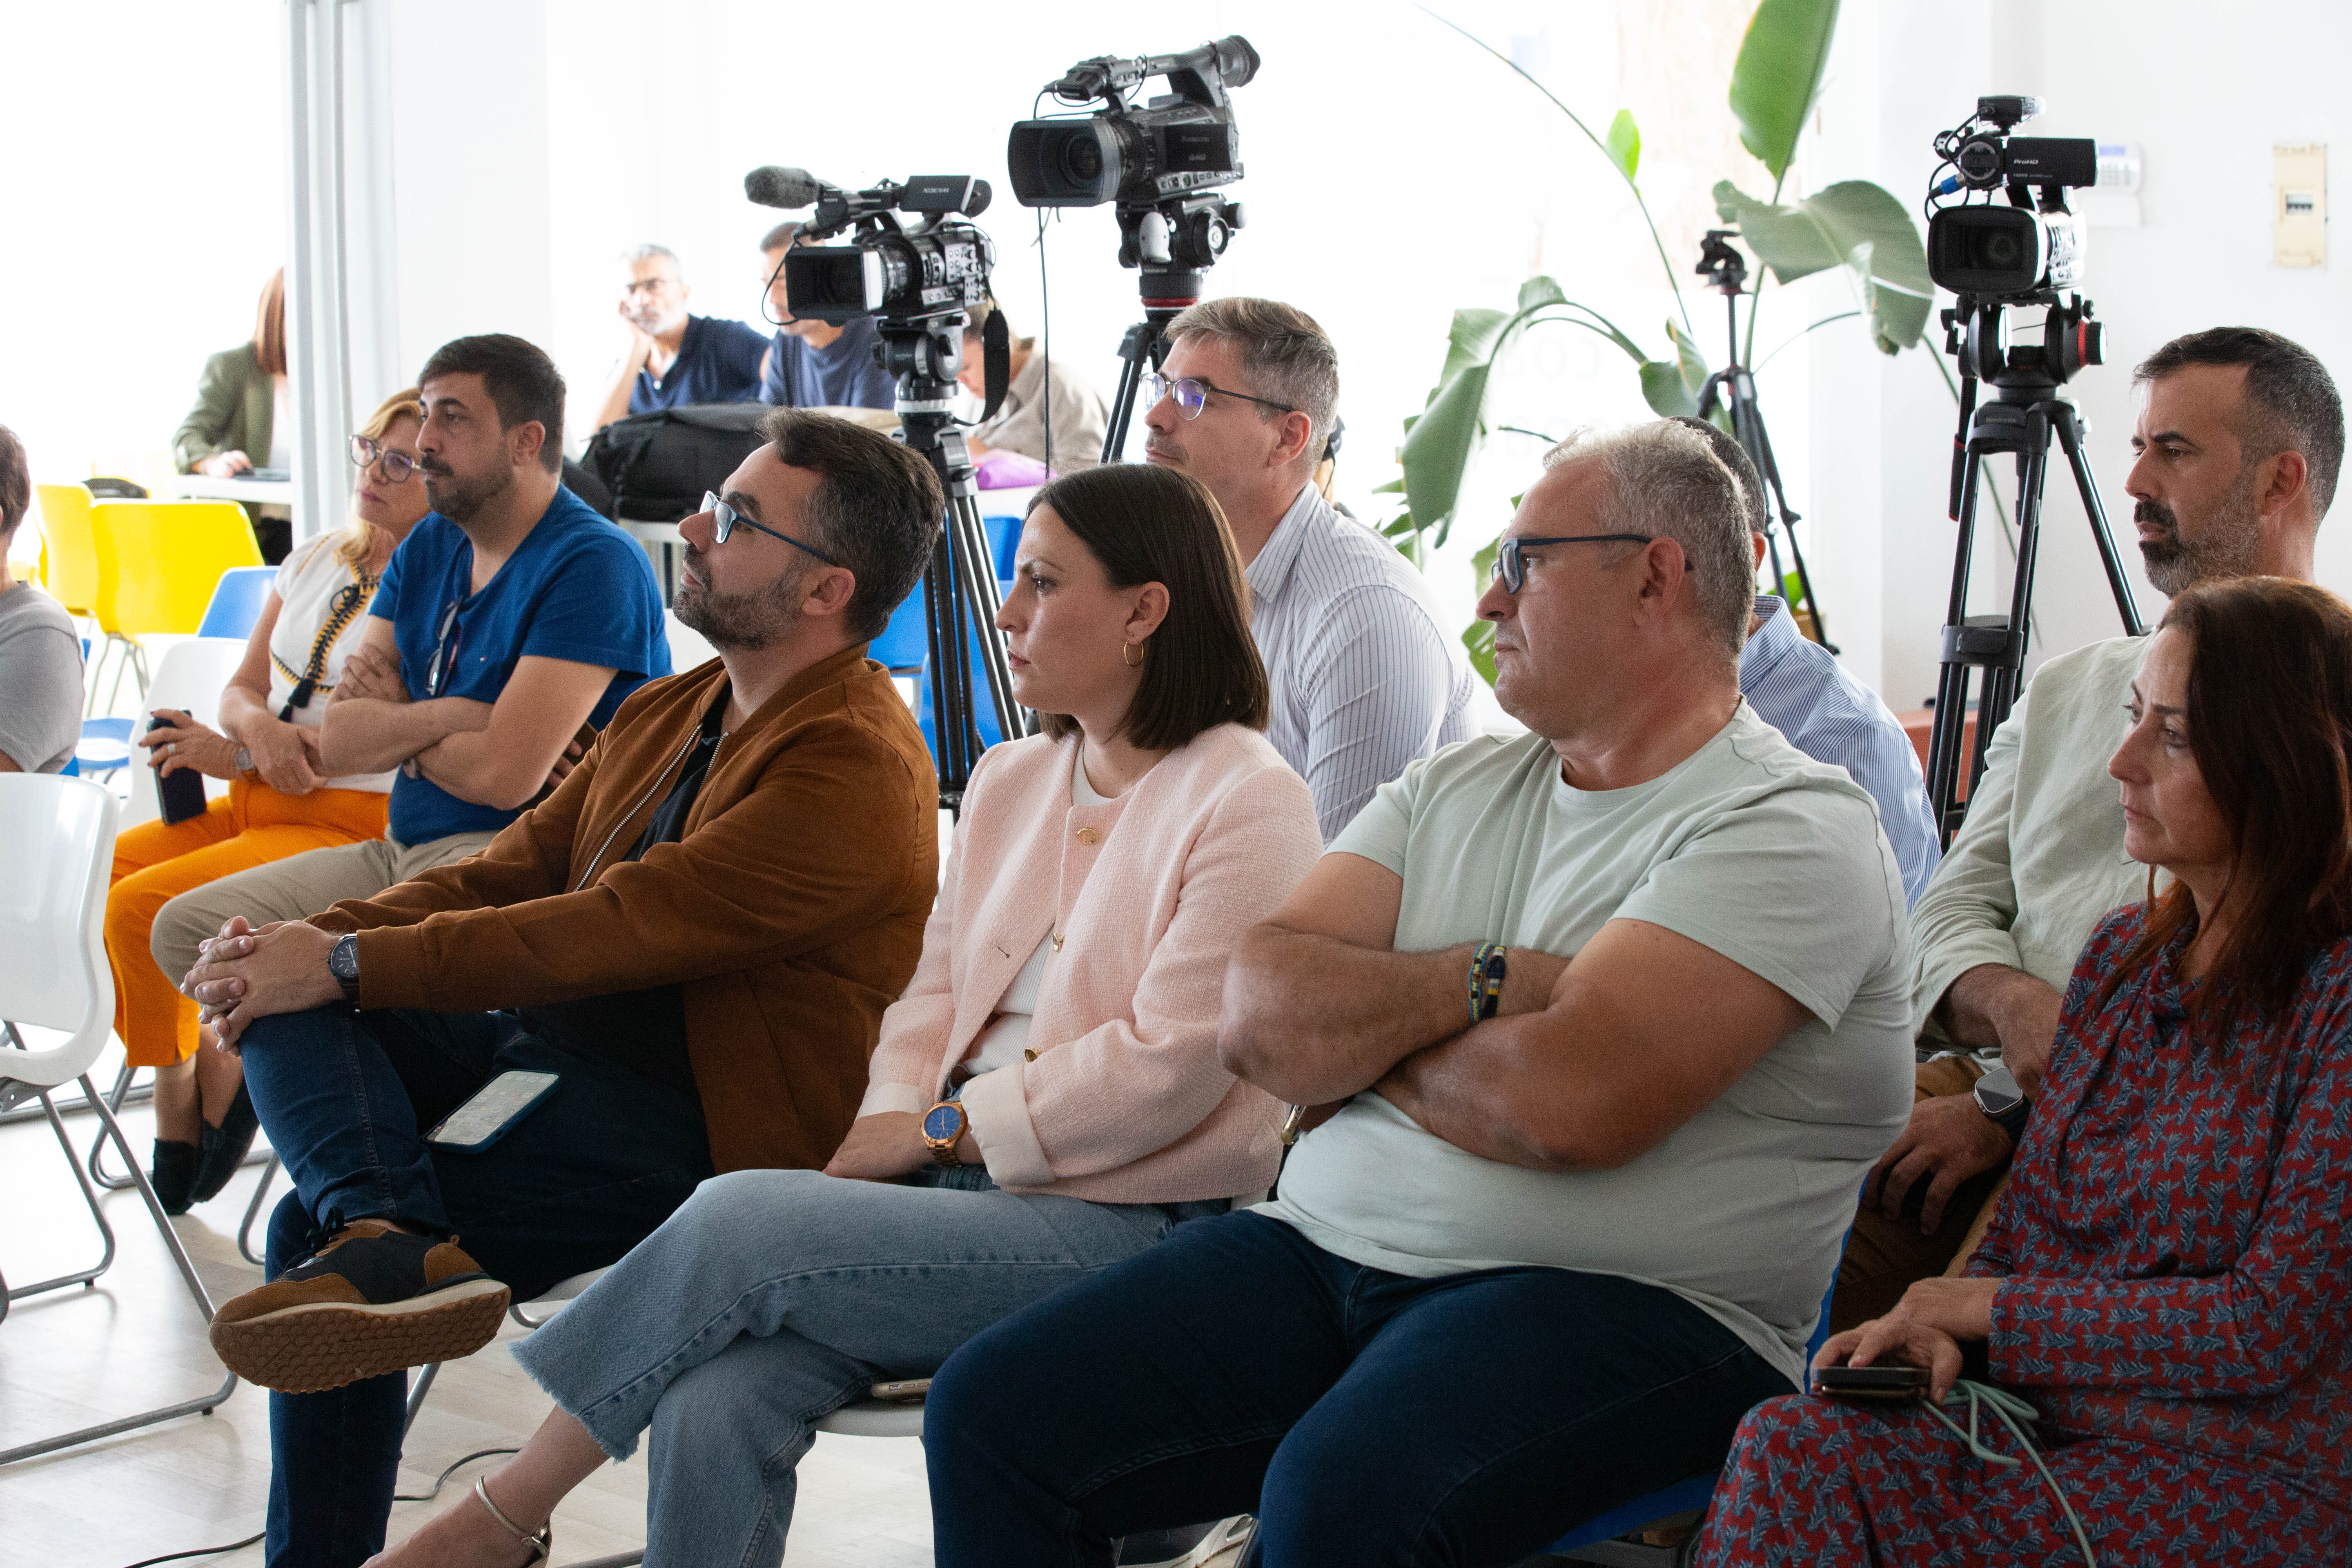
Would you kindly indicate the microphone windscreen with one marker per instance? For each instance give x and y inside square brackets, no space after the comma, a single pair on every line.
[773,187]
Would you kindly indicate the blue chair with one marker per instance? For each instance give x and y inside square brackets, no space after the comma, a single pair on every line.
[236,602]
[104,746]
[1596,1540]
[983,714]
[906,642]
[1004,533]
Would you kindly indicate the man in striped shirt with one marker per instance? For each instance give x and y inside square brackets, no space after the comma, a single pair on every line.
[1799,688]
[1365,676]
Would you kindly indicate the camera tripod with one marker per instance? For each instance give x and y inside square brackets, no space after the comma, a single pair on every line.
[1733,388]
[1174,242]
[2023,412]
[959,584]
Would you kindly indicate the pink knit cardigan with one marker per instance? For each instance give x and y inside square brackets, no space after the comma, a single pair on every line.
[1121,1098]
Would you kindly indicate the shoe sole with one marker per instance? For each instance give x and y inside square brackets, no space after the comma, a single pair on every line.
[311,1348]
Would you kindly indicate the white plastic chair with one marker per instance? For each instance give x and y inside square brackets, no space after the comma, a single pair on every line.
[57,839]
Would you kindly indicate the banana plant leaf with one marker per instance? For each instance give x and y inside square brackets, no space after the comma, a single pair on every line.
[1779,75]
[1854,225]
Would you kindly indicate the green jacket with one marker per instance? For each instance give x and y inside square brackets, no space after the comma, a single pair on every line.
[236,405]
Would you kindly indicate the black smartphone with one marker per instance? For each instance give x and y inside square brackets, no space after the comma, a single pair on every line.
[181,792]
[1882,1383]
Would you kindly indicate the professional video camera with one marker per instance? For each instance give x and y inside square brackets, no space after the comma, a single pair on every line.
[1997,259]
[2033,243]
[916,277]
[1162,164]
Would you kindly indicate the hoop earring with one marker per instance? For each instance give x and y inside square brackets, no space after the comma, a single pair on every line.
[1133,654]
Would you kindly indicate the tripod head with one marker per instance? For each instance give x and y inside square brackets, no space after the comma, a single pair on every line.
[1977,336]
[1722,266]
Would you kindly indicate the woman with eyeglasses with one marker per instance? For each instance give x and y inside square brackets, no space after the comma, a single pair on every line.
[279,801]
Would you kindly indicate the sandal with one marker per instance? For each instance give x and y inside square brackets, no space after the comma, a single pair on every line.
[542,1541]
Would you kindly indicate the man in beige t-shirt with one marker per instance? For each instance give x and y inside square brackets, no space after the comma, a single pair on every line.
[2238,444]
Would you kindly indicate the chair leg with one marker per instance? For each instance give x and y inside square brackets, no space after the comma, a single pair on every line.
[252,1211]
[416,1393]
[89,1197]
[98,1140]
[203,1404]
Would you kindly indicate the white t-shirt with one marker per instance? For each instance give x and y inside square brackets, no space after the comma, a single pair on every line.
[1748,847]
[1006,1036]
[317,611]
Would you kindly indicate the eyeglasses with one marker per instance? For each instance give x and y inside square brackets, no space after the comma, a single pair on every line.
[397,465]
[648,285]
[724,519]
[444,666]
[1513,571]
[1191,393]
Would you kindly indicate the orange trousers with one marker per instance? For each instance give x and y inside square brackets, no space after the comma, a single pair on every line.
[156,862]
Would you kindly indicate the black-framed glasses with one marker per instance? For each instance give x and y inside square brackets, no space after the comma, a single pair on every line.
[397,465]
[1191,393]
[444,666]
[1513,571]
[724,519]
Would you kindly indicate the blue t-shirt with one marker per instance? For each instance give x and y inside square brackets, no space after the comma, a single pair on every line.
[718,362]
[578,588]
[842,374]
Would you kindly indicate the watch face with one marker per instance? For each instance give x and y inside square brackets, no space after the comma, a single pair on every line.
[343,959]
[943,1122]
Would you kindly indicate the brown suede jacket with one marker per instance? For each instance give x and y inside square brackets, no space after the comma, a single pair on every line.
[792,910]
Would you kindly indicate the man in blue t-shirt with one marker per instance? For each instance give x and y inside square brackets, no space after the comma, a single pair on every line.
[670,358]
[816,364]
[511,621]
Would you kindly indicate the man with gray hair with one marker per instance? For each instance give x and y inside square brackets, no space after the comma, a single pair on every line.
[1615,1017]
[2237,444]
[1366,677]
[670,358]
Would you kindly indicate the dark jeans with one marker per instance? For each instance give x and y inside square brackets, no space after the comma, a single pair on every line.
[347,1098]
[1365,1418]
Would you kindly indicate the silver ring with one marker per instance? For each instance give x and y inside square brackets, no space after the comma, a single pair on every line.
[170,748]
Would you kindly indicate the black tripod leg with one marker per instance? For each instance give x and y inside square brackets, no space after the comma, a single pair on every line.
[1952,683]
[1138,348]
[977,585]
[2070,436]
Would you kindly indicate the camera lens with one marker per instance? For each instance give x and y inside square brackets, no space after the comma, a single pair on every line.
[2001,248]
[1082,159]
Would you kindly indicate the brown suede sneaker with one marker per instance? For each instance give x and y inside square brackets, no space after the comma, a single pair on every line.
[371,1300]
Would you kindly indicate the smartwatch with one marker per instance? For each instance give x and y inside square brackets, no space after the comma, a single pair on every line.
[343,964]
[943,1124]
[2003,1103]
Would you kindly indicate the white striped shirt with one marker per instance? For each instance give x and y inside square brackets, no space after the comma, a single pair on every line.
[1365,677]
[1799,688]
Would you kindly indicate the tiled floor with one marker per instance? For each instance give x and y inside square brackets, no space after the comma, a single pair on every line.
[79,1356]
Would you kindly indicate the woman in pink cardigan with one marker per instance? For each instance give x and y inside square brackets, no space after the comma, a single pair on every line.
[1045,1099]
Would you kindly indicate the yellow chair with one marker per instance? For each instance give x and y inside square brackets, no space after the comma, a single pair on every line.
[70,565]
[158,563]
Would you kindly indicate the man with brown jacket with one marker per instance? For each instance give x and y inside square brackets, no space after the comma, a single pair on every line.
[693,938]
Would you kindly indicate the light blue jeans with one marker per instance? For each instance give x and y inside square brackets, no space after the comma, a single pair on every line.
[774,1298]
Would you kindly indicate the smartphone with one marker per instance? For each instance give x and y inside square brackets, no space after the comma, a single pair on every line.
[493,1111]
[906,1389]
[180,793]
[1879,1383]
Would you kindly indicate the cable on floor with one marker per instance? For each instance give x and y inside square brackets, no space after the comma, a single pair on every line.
[438,1482]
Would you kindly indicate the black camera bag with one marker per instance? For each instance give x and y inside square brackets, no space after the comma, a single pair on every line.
[658,465]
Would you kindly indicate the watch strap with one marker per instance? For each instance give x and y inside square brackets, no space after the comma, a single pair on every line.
[1486,990]
[343,964]
[2012,1121]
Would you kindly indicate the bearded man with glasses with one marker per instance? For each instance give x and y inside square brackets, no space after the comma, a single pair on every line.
[1366,676]
[695,935]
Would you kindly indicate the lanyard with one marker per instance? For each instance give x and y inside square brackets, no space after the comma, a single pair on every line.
[340,611]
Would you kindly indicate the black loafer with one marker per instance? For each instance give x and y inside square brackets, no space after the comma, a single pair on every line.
[225,1147]
[172,1173]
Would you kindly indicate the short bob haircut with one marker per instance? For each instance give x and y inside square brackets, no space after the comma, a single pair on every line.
[1200,668]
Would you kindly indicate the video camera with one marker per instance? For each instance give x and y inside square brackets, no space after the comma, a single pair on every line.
[2034,243]
[902,272]
[1156,162]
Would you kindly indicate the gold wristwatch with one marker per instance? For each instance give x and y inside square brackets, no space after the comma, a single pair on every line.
[944,1125]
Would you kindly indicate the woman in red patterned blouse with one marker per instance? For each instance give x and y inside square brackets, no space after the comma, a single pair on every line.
[2167,1275]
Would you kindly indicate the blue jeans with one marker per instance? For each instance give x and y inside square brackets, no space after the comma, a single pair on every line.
[346,1098]
[1365,1418]
[773,1298]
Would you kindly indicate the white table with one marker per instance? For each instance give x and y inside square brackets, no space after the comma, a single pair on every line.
[204,487]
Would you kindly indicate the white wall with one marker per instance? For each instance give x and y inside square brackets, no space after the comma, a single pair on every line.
[2206,100]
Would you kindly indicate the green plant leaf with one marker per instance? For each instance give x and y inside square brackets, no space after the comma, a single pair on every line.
[1471,341]
[1779,75]
[1436,450]
[1854,225]
[1692,362]
[1624,145]
[1538,291]
[1663,388]
[1478,636]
